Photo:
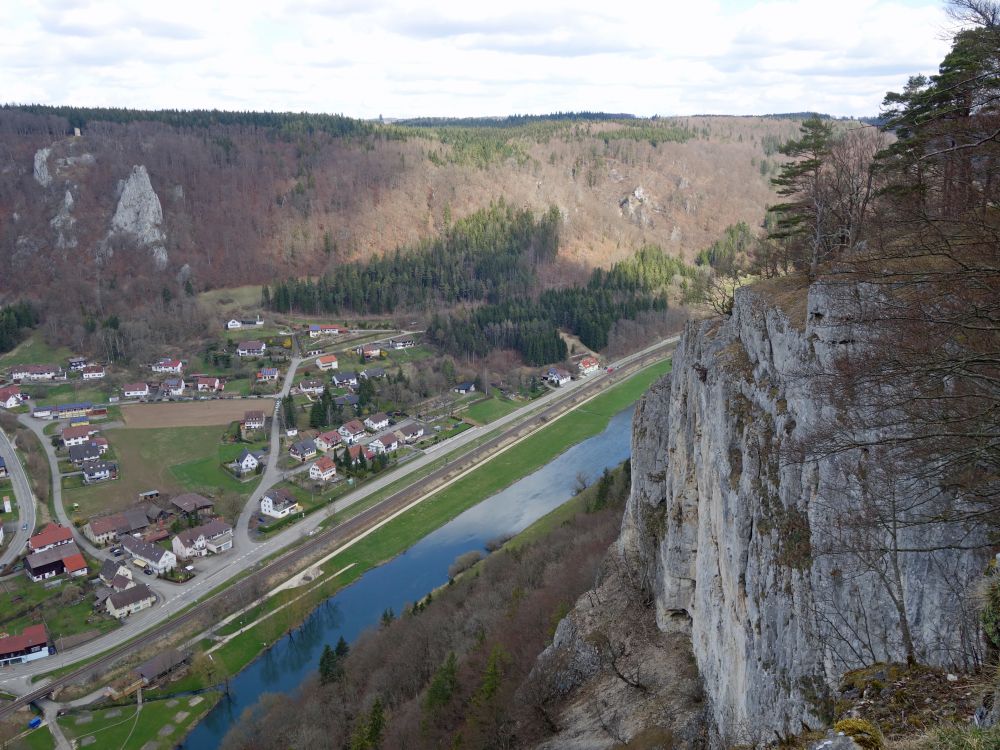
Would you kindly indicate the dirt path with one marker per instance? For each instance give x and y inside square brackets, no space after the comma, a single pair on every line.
[191,413]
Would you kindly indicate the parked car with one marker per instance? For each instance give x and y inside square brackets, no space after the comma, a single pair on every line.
[148,571]
[24,527]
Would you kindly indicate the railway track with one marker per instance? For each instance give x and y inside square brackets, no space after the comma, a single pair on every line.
[339,534]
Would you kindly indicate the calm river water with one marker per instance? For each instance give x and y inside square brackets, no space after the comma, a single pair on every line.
[408,577]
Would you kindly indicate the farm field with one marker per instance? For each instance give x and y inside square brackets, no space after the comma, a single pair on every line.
[191,413]
[172,460]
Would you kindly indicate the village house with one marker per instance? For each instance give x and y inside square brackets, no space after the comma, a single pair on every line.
[52,535]
[173,386]
[372,373]
[78,435]
[404,343]
[355,452]
[558,376]
[10,397]
[588,365]
[328,440]
[327,362]
[35,372]
[342,379]
[267,374]
[55,561]
[251,348]
[93,372]
[235,324]
[121,604]
[303,450]
[323,329]
[466,387]
[166,364]
[99,471]
[116,575]
[107,529]
[77,363]
[311,387]
[136,390]
[152,556]
[246,463]
[278,503]
[89,451]
[377,421]
[384,444]
[192,504]
[31,644]
[68,411]
[208,384]
[208,539]
[253,420]
[352,431]
[323,470]
[348,399]
[411,433]
[369,351]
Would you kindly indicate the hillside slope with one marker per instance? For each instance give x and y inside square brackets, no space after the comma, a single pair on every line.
[231,204]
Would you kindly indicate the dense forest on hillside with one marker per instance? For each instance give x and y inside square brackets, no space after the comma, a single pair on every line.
[492,257]
[14,321]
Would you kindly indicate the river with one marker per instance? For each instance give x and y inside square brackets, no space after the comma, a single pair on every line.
[410,576]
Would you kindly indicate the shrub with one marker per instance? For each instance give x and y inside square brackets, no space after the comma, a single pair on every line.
[864,733]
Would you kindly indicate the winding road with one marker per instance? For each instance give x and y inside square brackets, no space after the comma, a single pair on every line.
[25,500]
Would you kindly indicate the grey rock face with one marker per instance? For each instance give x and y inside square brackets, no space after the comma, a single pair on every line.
[835,741]
[737,531]
[42,176]
[140,215]
[63,223]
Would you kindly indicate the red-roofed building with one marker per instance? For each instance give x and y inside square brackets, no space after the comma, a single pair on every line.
[77,435]
[208,384]
[168,365]
[10,396]
[588,365]
[31,644]
[355,452]
[93,372]
[75,565]
[327,362]
[51,536]
[136,390]
[323,470]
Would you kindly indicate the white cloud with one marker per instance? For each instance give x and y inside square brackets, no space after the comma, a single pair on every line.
[402,58]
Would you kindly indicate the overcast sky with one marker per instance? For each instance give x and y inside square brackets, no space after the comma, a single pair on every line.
[403,58]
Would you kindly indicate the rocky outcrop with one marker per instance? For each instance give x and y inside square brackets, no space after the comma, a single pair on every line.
[139,215]
[41,171]
[741,534]
[63,223]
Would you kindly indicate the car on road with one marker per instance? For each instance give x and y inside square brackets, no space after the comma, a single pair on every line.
[148,571]
[116,551]
[24,527]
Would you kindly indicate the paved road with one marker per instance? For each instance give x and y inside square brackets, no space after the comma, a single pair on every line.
[215,570]
[25,503]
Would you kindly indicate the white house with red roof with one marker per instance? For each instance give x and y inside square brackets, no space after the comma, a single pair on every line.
[78,435]
[35,372]
[166,364]
[93,372]
[355,452]
[136,390]
[384,444]
[323,470]
[588,365]
[251,348]
[51,536]
[208,384]
[11,396]
[327,440]
[327,362]
[352,431]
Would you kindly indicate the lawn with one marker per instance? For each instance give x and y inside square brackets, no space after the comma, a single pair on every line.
[489,409]
[70,392]
[162,723]
[170,459]
[33,350]
[38,739]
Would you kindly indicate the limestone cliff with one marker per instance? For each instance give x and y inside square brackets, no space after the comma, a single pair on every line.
[139,215]
[739,533]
